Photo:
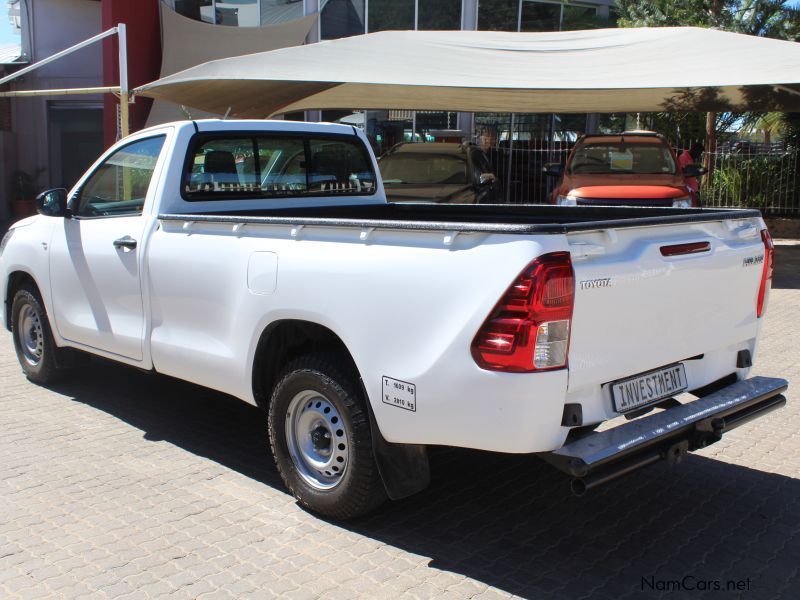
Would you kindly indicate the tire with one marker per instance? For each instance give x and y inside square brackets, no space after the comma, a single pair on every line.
[33,339]
[320,436]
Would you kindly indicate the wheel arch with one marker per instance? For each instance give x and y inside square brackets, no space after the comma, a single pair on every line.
[403,468]
[284,340]
[16,280]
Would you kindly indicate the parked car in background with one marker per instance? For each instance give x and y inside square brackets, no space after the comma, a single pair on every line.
[637,168]
[440,172]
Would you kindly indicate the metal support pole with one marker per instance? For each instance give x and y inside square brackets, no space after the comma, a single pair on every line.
[510,157]
[112,89]
[57,55]
[124,108]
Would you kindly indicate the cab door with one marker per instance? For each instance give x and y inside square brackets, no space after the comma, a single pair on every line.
[95,267]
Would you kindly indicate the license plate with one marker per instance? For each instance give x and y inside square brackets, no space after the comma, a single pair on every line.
[647,388]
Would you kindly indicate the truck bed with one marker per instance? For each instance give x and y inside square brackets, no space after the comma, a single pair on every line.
[489,218]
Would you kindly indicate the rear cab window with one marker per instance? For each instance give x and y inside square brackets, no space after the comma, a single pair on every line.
[285,165]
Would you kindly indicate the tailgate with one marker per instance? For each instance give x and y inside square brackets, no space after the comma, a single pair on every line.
[641,304]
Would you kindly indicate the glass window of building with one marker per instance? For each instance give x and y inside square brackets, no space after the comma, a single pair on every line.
[390,14]
[199,10]
[278,11]
[237,13]
[540,16]
[439,14]
[581,17]
[341,18]
[498,15]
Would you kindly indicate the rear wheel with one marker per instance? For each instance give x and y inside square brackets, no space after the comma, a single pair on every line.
[33,340]
[320,436]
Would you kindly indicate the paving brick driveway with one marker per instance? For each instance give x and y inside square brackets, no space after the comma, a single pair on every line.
[120,483]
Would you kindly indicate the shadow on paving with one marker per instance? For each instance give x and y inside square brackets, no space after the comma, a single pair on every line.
[787,267]
[510,521]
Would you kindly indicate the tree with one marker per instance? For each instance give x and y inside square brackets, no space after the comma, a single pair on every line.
[766,18]
[674,13]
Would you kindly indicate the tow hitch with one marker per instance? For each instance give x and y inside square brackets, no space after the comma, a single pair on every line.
[670,435]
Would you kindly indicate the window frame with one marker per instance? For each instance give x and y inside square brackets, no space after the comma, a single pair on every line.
[74,201]
[200,138]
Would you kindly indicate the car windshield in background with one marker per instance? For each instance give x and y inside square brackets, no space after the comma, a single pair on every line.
[423,169]
[618,158]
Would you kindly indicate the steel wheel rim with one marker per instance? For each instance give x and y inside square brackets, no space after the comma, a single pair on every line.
[30,335]
[317,440]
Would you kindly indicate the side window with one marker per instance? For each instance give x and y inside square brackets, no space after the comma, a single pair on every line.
[253,167]
[119,185]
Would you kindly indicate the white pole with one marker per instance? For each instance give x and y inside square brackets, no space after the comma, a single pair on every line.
[123,82]
[58,55]
[60,92]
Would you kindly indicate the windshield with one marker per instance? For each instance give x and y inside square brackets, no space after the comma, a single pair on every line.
[621,158]
[423,169]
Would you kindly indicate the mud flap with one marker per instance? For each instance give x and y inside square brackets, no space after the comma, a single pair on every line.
[404,468]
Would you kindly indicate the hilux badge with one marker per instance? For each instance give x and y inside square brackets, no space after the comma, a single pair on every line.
[752,260]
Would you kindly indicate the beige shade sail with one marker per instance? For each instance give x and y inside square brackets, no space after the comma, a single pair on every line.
[187,43]
[603,70]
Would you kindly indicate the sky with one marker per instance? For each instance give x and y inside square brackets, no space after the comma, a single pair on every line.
[8,34]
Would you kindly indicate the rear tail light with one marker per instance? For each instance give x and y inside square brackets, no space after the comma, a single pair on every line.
[528,330]
[766,274]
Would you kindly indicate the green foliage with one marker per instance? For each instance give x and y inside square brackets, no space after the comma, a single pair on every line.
[791,130]
[767,18]
[766,182]
[674,13]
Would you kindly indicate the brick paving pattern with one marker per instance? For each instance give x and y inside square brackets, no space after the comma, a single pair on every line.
[119,483]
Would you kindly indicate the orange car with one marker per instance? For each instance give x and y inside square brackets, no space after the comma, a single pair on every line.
[637,168]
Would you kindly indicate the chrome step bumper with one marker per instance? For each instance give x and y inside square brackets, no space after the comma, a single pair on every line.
[605,455]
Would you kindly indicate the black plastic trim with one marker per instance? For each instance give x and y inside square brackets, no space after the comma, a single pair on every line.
[573,415]
[552,219]
[743,359]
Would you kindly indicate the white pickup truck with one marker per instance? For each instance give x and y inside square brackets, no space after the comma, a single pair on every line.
[260,258]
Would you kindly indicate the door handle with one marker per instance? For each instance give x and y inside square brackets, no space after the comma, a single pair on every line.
[125,242]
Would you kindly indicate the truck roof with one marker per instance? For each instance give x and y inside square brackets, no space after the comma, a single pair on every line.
[211,125]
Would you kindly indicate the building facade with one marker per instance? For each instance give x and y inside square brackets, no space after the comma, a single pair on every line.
[49,141]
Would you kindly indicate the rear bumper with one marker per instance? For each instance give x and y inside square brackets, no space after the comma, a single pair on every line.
[605,455]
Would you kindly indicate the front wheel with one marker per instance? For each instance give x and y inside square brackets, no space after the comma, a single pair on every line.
[320,436]
[33,340]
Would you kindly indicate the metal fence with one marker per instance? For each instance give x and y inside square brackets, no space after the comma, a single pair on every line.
[741,174]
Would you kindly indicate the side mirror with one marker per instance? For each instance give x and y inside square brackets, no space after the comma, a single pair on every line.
[553,169]
[52,203]
[694,171]
[486,179]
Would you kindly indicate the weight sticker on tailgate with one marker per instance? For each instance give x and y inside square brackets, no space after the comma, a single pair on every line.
[400,394]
